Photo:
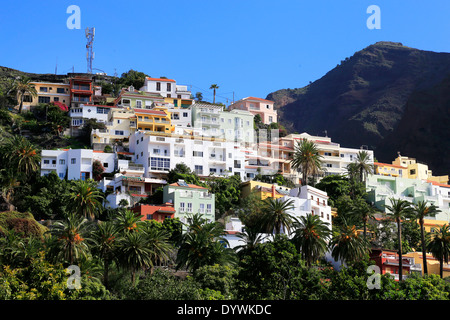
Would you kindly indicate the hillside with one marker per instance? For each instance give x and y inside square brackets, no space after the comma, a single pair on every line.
[363,100]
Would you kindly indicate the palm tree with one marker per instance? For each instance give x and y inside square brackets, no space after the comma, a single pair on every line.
[23,86]
[310,237]
[439,246]
[420,211]
[251,238]
[105,238]
[134,253]
[85,198]
[275,217]
[71,235]
[399,210]
[346,244]
[158,241]
[363,165]
[22,154]
[203,244]
[127,220]
[306,158]
[362,211]
[214,87]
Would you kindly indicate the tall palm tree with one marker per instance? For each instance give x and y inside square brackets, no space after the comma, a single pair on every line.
[346,244]
[203,244]
[363,165]
[275,217]
[310,237]
[420,211]
[134,253]
[158,241]
[72,235]
[306,158]
[398,211]
[362,211]
[439,246]
[85,198]
[214,87]
[105,238]
[23,87]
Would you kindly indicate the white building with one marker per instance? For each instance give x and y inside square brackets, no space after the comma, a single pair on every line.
[75,163]
[166,87]
[310,200]
[82,112]
[160,153]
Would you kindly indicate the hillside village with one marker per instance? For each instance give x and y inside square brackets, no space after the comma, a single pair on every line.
[141,138]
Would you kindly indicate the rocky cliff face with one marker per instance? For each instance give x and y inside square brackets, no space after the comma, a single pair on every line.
[366,97]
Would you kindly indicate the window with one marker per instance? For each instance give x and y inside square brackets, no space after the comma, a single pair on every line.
[138,103]
[158,86]
[181,206]
[73,160]
[149,216]
[61,175]
[126,102]
[185,114]
[199,170]
[60,90]
[43,99]
[56,99]
[162,164]
[189,207]
[202,208]
[208,208]
[412,171]
[27,98]
[267,106]
[43,89]
[169,87]
[118,133]
[84,175]
[46,161]
[62,161]
[270,119]
[198,153]
[105,164]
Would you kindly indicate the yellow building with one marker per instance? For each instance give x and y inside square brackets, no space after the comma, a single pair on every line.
[121,123]
[430,225]
[418,170]
[391,170]
[47,92]
[432,263]
[155,120]
[263,190]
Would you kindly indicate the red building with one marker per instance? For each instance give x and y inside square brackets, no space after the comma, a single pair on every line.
[157,212]
[388,262]
[81,90]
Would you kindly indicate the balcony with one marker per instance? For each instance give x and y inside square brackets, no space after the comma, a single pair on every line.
[48,165]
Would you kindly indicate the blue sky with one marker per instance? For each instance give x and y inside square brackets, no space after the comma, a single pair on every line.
[247,47]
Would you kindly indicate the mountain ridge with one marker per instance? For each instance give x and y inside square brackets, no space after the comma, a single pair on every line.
[363,99]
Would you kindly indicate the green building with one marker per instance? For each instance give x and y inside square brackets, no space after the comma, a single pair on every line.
[380,189]
[189,199]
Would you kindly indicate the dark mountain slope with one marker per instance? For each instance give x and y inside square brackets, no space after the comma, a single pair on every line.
[423,132]
[362,100]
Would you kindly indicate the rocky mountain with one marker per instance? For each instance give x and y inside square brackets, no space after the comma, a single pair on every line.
[387,96]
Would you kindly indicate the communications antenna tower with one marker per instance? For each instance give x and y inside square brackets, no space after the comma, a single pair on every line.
[90,32]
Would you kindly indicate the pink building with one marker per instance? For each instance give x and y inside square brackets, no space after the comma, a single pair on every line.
[257,106]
